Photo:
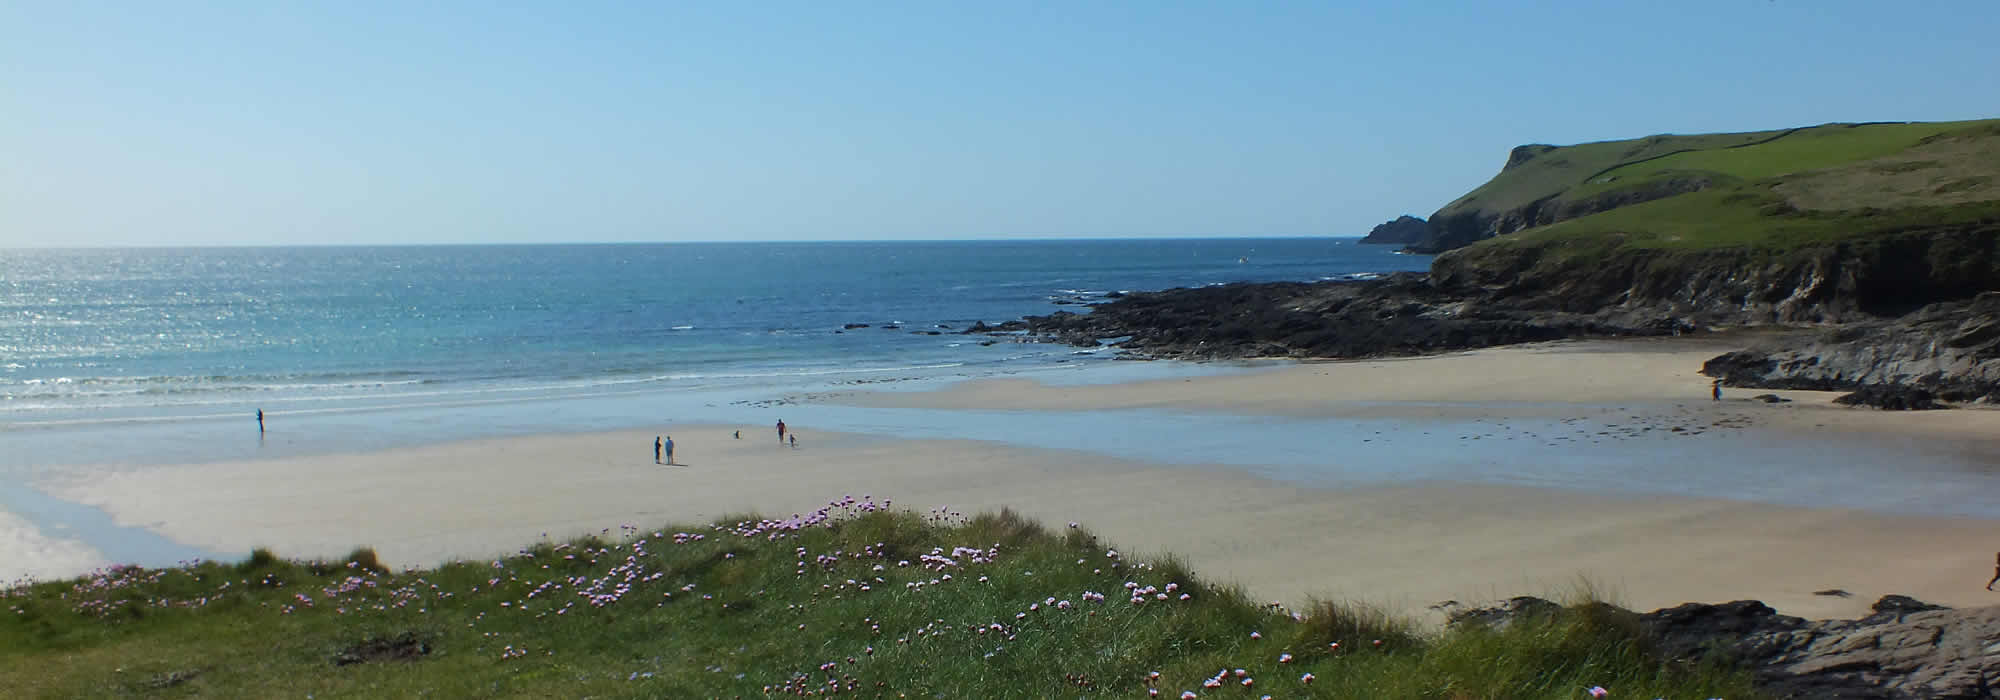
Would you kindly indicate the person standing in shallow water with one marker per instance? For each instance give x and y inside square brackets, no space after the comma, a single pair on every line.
[656,449]
[260,420]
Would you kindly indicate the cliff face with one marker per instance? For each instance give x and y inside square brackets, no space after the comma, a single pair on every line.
[1405,230]
[1883,275]
[1455,227]
[1950,349]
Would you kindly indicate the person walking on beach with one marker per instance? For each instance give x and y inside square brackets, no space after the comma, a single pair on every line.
[1717,388]
[781,430]
[670,450]
[739,434]
[1996,572]
[656,449]
[260,420]
[795,441]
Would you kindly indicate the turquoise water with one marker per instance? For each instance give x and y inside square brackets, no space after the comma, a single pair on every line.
[163,334]
[128,358]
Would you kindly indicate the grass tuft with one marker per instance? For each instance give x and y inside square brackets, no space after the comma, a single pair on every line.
[855,600]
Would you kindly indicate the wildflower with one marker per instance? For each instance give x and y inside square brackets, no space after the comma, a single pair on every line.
[1598,691]
[1188,695]
[1307,679]
[1284,658]
[1256,635]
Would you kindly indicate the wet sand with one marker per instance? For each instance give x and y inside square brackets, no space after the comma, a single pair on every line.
[1406,547]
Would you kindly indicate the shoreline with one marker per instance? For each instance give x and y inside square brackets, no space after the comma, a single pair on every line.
[1405,542]
[1403,547]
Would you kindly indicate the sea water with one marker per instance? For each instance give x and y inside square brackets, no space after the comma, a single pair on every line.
[124,358]
[163,343]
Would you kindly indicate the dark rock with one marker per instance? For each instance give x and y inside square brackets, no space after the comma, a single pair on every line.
[1687,631]
[405,647]
[1891,397]
[1771,398]
[1499,616]
[1907,649]
[1401,314]
[891,327]
[1895,606]
[173,678]
[1858,280]
[1404,230]
[1950,350]
[1834,592]
[1114,295]
[852,326]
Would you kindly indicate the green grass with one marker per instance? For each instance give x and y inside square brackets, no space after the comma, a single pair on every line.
[1803,150]
[1566,167]
[1747,217]
[871,602]
[1828,166]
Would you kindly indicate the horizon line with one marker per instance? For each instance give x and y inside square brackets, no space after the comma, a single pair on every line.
[167,246]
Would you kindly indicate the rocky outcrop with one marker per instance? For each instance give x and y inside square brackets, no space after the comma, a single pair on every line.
[1884,275]
[1892,397]
[1402,314]
[1405,230]
[1950,350]
[1455,227]
[1906,649]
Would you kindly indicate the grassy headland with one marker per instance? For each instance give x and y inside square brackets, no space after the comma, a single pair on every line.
[1802,225]
[1767,189]
[855,600]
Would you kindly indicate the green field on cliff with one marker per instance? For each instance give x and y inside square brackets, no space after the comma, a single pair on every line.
[852,601]
[1770,190]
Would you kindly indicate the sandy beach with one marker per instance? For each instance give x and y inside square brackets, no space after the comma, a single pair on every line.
[1404,546]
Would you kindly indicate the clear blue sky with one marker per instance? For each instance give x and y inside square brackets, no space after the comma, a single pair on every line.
[166,123]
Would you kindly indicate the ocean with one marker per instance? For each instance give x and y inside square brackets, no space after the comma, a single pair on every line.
[125,359]
[149,336]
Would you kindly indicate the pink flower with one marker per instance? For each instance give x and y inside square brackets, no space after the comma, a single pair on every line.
[1308,678]
[1598,691]
[1284,658]
[1188,695]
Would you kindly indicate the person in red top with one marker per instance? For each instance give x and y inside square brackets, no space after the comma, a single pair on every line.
[781,430]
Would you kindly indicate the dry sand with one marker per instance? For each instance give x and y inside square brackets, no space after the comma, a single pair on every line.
[1404,547]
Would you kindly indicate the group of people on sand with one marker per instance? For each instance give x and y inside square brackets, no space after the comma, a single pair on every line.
[663,445]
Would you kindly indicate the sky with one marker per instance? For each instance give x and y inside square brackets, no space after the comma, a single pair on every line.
[282,123]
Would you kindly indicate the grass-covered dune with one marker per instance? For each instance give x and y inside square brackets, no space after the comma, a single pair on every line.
[855,600]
